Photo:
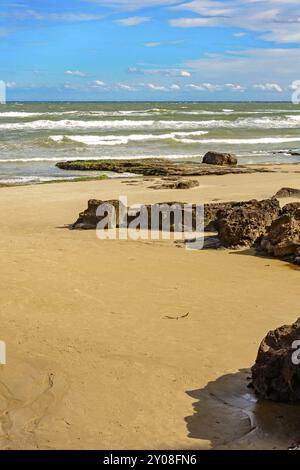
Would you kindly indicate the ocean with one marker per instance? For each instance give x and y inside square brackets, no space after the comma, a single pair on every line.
[34,136]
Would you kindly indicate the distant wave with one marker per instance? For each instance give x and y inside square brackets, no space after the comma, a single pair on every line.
[144,112]
[262,140]
[292,121]
[102,157]
[123,124]
[23,114]
[121,139]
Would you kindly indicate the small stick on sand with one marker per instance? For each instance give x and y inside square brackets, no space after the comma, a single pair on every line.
[167,317]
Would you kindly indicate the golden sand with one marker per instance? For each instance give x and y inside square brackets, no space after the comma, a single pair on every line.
[92,362]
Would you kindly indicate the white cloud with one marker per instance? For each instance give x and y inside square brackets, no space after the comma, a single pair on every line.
[99,83]
[185,73]
[278,65]
[276,20]
[125,87]
[234,87]
[152,44]
[175,87]
[133,20]
[11,84]
[163,43]
[269,87]
[70,86]
[240,34]
[24,15]
[76,73]
[193,22]
[214,87]
[158,71]
[156,87]
[205,87]
[134,4]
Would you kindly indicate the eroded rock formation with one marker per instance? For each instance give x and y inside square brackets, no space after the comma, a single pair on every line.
[276,373]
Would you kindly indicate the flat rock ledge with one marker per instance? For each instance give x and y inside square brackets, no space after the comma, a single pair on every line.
[276,372]
[156,167]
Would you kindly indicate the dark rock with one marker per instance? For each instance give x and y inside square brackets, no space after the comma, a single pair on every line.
[180,184]
[213,212]
[157,167]
[275,376]
[283,237]
[89,219]
[216,158]
[244,223]
[288,192]
[290,208]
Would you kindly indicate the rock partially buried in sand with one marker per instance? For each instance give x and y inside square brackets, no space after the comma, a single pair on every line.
[176,184]
[216,158]
[276,373]
[288,192]
[283,237]
[244,223]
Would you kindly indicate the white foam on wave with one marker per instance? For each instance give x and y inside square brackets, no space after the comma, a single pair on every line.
[262,140]
[291,121]
[118,124]
[102,157]
[23,114]
[120,139]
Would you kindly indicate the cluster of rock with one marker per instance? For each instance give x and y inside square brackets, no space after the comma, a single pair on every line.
[261,224]
[276,372]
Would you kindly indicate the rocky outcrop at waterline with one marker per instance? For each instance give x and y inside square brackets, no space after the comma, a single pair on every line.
[217,158]
[276,373]
[156,167]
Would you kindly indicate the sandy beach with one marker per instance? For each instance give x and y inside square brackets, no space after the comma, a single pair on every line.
[92,360]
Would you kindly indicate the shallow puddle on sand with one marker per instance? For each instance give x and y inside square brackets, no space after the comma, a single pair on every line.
[230,416]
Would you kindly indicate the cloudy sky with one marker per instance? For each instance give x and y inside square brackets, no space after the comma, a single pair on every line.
[150,49]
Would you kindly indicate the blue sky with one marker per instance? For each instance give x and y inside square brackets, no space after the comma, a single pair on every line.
[149,49]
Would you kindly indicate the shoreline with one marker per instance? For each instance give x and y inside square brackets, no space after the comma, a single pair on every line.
[268,166]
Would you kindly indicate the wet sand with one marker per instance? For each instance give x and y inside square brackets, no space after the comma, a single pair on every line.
[92,362]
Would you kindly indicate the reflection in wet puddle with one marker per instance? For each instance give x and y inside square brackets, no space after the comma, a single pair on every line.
[230,416]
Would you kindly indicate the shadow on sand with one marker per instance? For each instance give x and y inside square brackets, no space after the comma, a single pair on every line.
[229,415]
